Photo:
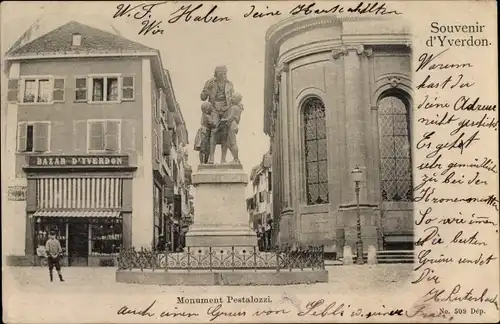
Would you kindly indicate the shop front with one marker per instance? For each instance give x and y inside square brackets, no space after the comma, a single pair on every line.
[88,206]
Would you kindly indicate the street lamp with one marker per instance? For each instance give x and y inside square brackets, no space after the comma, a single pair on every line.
[357,177]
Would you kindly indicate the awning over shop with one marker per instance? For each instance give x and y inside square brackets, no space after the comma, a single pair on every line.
[77,213]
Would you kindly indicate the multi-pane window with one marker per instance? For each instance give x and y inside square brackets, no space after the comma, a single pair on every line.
[33,137]
[36,91]
[315,151]
[104,88]
[81,89]
[42,90]
[395,153]
[104,135]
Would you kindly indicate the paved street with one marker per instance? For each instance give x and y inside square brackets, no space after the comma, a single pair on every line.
[92,295]
[96,280]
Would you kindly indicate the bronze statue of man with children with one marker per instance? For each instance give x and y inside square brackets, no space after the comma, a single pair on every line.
[221,112]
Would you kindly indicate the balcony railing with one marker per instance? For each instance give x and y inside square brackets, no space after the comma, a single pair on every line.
[224,258]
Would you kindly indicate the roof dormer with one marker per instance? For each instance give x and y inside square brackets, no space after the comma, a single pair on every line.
[77,39]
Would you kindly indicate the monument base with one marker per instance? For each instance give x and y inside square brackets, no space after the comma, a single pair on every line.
[221,278]
[218,238]
[221,218]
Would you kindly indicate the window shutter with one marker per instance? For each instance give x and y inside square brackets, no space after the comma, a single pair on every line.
[159,105]
[41,137]
[170,120]
[111,135]
[157,148]
[164,106]
[96,136]
[154,101]
[13,90]
[167,142]
[22,131]
[58,92]
[128,84]
[81,89]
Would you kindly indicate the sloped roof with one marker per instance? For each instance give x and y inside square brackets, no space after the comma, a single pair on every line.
[94,40]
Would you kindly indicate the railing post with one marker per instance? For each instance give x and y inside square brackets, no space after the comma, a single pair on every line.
[153,257]
[232,257]
[189,259]
[255,258]
[210,258]
[277,252]
[131,253]
[323,256]
[166,257]
[141,259]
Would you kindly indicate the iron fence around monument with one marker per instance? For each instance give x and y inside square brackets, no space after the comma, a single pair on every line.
[224,258]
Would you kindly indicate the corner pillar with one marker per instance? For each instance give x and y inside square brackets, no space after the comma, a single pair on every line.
[357,114]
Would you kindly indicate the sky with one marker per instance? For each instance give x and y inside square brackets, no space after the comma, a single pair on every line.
[190,51]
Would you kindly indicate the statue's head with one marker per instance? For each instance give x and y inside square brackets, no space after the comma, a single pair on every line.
[236,98]
[220,73]
[206,107]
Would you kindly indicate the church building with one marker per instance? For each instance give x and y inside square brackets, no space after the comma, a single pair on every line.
[338,96]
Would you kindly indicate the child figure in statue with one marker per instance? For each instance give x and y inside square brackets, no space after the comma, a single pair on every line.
[202,140]
[232,122]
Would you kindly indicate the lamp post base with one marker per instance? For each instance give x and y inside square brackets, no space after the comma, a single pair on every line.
[359,253]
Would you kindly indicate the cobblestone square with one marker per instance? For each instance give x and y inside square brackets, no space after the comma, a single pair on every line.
[366,278]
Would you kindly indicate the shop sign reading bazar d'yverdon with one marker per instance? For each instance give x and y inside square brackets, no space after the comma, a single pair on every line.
[78,160]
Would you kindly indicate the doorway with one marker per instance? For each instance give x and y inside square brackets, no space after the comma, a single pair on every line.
[78,249]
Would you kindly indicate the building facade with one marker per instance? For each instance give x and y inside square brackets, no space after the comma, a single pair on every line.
[338,95]
[84,144]
[170,227]
[260,203]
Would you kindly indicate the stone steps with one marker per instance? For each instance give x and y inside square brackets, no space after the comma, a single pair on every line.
[390,256]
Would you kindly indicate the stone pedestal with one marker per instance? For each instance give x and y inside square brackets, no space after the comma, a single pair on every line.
[372,255]
[348,259]
[221,216]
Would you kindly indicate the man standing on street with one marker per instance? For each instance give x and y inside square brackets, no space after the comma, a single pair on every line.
[54,250]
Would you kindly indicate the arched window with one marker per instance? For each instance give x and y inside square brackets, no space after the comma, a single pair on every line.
[315,151]
[395,151]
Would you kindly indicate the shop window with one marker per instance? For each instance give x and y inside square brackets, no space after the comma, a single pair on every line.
[106,237]
[104,135]
[315,146]
[43,227]
[395,151]
[33,137]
